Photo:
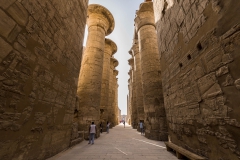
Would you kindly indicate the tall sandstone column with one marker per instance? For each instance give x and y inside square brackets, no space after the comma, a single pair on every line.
[155,118]
[138,78]
[133,93]
[113,64]
[129,99]
[115,97]
[40,55]
[100,23]
[199,43]
[110,49]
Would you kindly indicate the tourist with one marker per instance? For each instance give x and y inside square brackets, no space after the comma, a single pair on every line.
[124,123]
[101,127]
[141,127]
[92,132]
[108,125]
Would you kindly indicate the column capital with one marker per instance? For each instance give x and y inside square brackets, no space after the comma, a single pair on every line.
[135,49]
[115,72]
[130,52]
[145,15]
[131,62]
[110,46]
[100,16]
[114,63]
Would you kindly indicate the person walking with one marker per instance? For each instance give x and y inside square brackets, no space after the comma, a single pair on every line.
[108,125]
[141,127]
[101,127]
[124,123]
[92,132]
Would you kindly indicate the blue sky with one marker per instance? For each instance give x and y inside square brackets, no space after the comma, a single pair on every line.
[124,14]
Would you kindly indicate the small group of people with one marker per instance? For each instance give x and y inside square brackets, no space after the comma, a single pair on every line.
[101,127]
[93,131]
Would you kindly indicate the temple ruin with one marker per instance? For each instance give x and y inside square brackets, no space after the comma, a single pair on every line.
[184,78]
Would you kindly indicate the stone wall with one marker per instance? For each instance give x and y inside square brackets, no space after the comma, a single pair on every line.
[199,45]
[40,55]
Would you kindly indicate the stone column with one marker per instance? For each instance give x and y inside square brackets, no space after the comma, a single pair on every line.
[129,100]
[110,49]
[133,91]
[100,23]
[113,64]
[155,117]
[115,72]
[138,78]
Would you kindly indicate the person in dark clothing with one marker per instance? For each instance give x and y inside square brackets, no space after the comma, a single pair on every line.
[101,127]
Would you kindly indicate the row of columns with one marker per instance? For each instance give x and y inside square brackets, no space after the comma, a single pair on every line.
[97,78]
[146,102]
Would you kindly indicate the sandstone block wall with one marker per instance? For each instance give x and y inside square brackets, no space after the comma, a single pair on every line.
[40,55]
[199,44]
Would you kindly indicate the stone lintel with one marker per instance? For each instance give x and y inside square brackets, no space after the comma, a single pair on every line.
[100,16]
[109,44]
[145,15]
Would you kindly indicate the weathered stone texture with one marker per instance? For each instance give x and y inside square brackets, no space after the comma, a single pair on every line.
[199,45]
[155,116]
[41,46]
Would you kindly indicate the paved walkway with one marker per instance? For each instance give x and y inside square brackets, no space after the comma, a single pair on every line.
[120,143]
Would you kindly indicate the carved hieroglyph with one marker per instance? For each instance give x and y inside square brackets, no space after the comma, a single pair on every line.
[110,50]
[199,42]
[40,55]
[155,122]
[100,23]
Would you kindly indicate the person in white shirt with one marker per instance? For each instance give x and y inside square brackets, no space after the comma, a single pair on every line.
[92,132]
[108,125]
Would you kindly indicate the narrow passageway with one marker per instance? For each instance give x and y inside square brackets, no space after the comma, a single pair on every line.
[120,143]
